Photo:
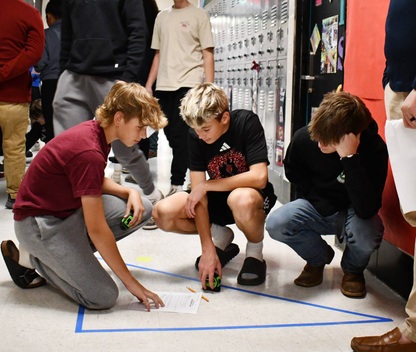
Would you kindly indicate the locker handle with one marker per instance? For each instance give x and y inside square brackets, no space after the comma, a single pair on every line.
[307,77]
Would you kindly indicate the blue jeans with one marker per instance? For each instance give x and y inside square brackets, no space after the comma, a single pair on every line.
[301,227]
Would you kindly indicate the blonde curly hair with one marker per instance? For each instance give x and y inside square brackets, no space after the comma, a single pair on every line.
[203,103]
[134,101]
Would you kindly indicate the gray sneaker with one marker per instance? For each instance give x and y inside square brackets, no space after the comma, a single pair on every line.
[151,224]
[174,189]
[130,178]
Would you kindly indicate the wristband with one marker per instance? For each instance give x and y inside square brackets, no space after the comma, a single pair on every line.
[348,156]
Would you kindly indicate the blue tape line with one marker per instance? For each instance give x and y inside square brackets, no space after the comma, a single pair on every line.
[370,318]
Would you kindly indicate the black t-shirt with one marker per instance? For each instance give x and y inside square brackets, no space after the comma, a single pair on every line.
[243,145]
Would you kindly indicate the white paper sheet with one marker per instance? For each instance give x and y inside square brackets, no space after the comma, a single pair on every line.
[175,302]
[401,144]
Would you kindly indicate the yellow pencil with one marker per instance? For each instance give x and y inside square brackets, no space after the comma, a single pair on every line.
[203,297]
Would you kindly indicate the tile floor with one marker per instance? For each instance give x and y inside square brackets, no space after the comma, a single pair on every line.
[276,316]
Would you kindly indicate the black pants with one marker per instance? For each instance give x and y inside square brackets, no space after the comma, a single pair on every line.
[33,135]
[176,133]
[48,93]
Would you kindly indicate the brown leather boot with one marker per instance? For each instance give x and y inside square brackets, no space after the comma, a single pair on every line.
[353,285]
[313,275]
[389,342]
[310,276]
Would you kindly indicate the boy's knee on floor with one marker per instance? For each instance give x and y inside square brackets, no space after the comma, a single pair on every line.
[101,298]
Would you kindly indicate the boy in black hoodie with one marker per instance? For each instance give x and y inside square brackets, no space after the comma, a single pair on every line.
[338,165]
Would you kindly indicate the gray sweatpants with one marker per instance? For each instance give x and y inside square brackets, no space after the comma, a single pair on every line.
[76,98]
[61,252]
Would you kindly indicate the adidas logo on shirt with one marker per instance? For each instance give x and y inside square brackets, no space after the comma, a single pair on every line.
[224,147]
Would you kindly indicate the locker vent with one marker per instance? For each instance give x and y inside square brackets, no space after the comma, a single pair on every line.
[264,20]
[273,16]
[284,11]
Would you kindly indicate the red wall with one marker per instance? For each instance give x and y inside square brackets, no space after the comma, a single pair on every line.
[364,65]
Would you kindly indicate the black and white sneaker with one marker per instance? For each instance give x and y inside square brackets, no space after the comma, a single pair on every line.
[10,202]
[29,156]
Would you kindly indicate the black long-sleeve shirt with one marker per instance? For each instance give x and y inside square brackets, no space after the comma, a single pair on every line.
[400,46]
[331,184]
[103,38]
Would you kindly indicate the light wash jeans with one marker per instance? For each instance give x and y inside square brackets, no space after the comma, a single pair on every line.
[301,227]
[61,252]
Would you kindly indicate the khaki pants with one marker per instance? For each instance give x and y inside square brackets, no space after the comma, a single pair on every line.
[393,101]
[14,121]
[408,328]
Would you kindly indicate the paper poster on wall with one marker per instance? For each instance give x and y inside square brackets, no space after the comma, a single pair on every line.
[315,39]
[329,45]
[280,107]
[279,153]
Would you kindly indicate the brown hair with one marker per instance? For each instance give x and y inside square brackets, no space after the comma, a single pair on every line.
[339,113]
[36,109]
[134,101]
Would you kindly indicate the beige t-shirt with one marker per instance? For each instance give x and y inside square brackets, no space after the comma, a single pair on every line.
[180,35]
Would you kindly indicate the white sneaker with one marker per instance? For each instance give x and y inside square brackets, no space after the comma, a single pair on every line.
[151,224]
[174,189]
[36,147]
[116,176]
[155,196]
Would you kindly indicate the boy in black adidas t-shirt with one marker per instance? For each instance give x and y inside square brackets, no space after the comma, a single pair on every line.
[231,148]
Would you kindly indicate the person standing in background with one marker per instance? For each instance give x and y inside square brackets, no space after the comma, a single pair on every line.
[21,46]
[35,83]
[101,42]
[151,10]
[48,66]
[148,145]
[399,81]
[183,41]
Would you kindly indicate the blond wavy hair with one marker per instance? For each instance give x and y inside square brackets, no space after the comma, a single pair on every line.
[134,101]
[203,103]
